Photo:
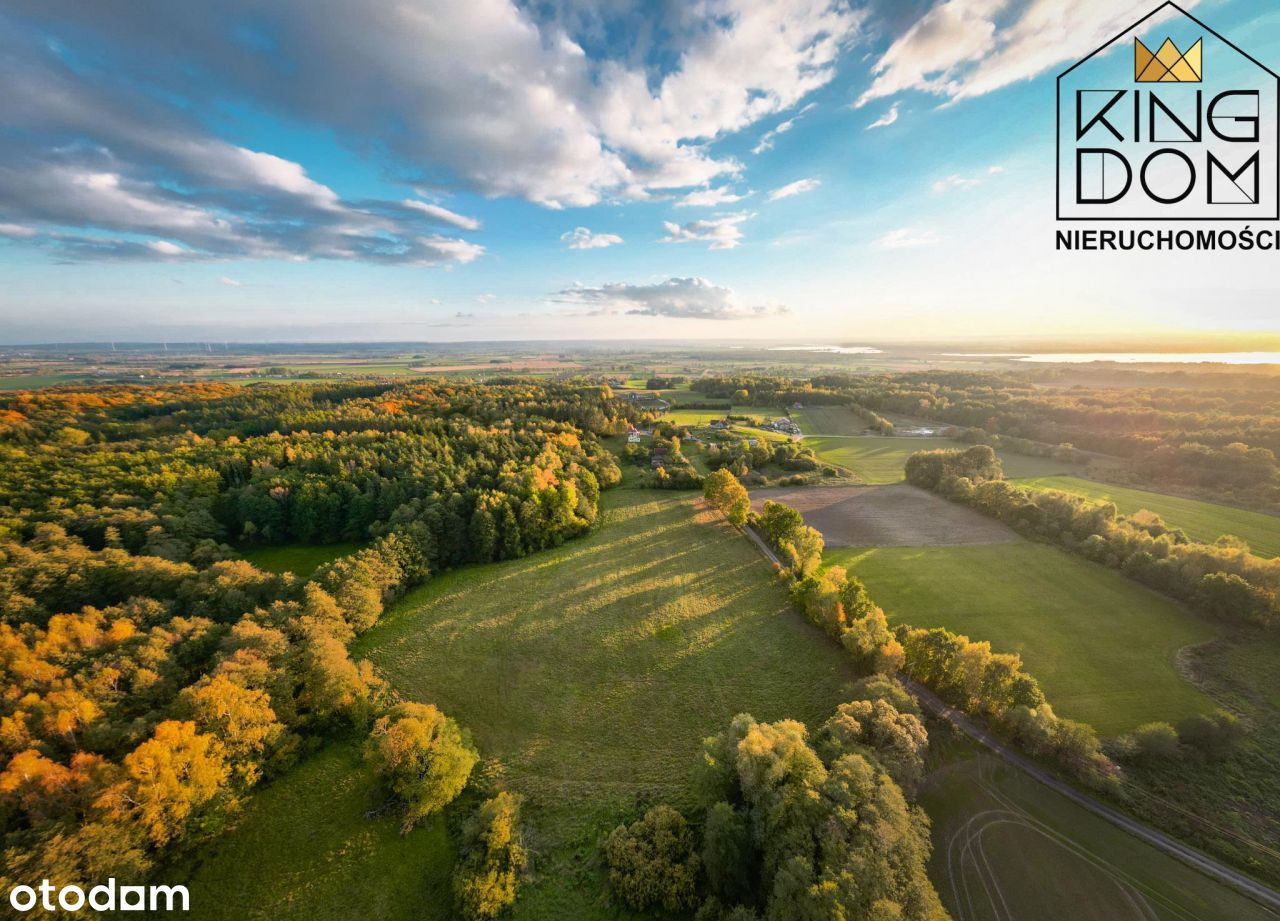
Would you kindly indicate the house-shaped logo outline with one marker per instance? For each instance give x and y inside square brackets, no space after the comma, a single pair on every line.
[1275,78]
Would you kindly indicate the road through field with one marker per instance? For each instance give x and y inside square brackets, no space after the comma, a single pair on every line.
[1260,893]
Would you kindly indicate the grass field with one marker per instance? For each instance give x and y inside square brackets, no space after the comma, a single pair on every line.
[1203,521]
[1103,647]
[1005,848]
[678,416]
[880,459]
[828,420]
[304,849]
[594,671]
[299,559]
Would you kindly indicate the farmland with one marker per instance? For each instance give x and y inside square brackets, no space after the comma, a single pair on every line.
[880,458]
[1006,848]
[1203,521]
[1058,612]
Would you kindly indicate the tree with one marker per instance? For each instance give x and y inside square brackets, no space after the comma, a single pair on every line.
[726,853]
[424,756]
[167,778]
[493,856]
[653,862]
[240,717]
[722,489]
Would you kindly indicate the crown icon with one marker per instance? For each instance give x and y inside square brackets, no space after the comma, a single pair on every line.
[1168,65]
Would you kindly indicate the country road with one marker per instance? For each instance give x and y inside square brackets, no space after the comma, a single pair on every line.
[1259,892]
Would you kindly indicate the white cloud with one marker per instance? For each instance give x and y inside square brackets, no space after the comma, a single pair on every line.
[444,215]
[958,181]
[799,187]
[498,95]
[721,232]
[906,238]
[885,120]
[583,238]
[710,198]
[767,139]
[165,248]
[681,298]
[231,282]
[965,48]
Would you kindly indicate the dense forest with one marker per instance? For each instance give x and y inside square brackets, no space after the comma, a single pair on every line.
[149,676]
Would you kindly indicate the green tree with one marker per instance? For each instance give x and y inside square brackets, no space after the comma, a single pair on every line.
[654,862]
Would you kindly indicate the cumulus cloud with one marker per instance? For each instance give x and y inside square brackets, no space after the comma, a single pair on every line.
[583,238]
[799,187]
[679,298]
[960,49]
[721,232]
[907,238]
[710,198]
[508,99]
[885,120]
[92,165]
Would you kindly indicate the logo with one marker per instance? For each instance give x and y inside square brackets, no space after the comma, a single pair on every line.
[1168,65]
[1188,134]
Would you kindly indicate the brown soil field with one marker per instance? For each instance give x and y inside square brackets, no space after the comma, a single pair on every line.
[887,516]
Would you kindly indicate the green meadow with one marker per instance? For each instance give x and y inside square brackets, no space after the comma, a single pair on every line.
[299,559]
[1203,521]
[590,674]
[1104,648]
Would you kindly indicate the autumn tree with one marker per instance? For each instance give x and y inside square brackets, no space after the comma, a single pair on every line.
[424,756]
[493,857]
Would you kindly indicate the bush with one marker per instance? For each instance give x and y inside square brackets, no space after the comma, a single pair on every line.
[1213,736]
[493,856]
[1155,743]
[652,862]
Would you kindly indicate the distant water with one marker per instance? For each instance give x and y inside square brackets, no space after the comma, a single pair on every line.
[1133,358]
[831,349]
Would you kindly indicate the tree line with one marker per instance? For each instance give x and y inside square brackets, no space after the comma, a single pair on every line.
[1222,580]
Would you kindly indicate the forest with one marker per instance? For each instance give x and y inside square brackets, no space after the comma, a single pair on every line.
[150,677]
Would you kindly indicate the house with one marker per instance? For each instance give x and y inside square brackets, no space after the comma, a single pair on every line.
[633,438]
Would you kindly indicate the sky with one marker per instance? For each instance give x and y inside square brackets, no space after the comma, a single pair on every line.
[816,170]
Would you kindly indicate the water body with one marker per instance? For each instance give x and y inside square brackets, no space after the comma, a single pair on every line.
[830,349]
[1133,358]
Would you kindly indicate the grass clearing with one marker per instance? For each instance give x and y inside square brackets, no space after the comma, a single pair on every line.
[1203,521]
[678,416]
[1103,648]
[594,671]
[880,459]
[300,559]
[303,848]
[1006,848]
[828,420]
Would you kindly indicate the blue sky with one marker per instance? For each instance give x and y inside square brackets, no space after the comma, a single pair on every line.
[810,169]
